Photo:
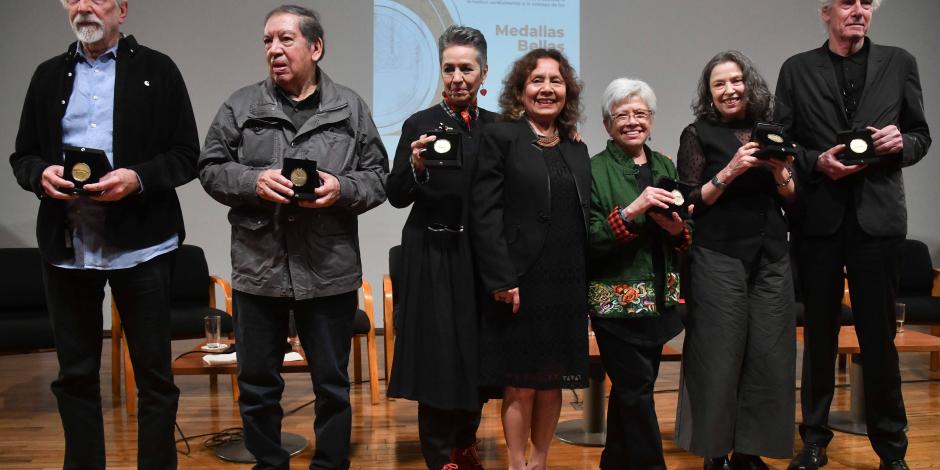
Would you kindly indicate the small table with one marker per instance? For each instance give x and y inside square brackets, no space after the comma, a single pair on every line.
[591,429]
[191,363]
[853,420]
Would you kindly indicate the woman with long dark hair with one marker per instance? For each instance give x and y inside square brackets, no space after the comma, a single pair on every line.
[738,372]
[529,218]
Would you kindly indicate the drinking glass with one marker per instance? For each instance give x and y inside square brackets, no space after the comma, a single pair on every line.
[213,332]
[900,311]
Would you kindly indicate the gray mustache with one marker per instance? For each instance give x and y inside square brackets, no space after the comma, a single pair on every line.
[87,18]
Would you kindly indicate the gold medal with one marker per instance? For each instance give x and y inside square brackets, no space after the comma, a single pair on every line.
[81,172]
[298,176]
[858,145]
[442,146]
[677,197]
[775,138]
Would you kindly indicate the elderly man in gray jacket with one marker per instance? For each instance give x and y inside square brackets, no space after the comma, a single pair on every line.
[290,254]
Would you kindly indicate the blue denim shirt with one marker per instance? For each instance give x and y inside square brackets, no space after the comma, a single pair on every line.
[88,122]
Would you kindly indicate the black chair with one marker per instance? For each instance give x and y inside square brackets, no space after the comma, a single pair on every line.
[919,291]
[24,319]
[390,305]
[192,298]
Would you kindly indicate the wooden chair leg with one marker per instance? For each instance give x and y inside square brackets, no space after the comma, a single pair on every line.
[130,387]
[235,388]
[388,324]
[116,338]
[842,361]
[935,356]
[357,360]
[373,366]
[389,351]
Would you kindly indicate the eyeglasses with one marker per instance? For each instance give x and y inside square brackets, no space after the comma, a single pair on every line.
[641,115]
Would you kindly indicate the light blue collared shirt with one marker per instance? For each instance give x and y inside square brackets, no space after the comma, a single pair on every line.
[88,122]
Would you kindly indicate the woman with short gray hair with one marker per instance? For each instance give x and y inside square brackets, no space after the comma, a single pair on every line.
[634,244]
[436,320]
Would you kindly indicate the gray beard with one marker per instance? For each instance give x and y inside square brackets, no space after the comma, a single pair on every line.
[89,34]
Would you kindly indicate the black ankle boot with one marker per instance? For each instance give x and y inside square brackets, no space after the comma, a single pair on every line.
[747,462]
[810,458]
[718,463]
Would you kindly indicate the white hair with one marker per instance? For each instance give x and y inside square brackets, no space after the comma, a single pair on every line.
[117,3]
[623,88]
[827,3]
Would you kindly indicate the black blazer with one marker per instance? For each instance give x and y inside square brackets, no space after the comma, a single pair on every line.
[511,201]
[154,135]
[809,104]
[443,198]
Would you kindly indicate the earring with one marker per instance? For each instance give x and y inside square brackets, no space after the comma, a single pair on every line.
[483,91]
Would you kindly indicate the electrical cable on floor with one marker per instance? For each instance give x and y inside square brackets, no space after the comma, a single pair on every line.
[577,403]
[215,439]
[300,407]
[224,436]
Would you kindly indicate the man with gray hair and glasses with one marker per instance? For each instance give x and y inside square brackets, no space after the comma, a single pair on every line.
[128,103]
[853,215]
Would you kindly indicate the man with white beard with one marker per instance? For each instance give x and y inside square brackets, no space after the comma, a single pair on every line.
[108,92]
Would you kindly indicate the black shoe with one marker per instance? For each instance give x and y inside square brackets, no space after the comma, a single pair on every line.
[718,463]
[894,465]
[747,462]
[810,458]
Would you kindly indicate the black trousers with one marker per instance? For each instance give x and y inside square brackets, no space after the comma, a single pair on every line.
[441,431]
[325,327]
[739,357]
[872,266]
[633,438]
[142,294]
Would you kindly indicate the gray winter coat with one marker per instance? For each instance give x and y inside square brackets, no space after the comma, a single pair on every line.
[283,250]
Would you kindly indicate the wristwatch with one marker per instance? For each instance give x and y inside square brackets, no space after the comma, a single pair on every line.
[718,184]
[624,217]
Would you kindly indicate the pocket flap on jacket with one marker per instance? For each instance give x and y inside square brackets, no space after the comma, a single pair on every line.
[248,221]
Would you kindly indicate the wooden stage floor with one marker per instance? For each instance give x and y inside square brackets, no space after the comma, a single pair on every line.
[385,436]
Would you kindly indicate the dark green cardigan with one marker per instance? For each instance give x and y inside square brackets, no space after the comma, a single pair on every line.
[620,272]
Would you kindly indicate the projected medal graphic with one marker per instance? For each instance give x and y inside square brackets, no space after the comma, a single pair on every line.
[405,66]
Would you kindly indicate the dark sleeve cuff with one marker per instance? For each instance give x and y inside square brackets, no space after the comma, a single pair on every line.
[624,230]
[422,178]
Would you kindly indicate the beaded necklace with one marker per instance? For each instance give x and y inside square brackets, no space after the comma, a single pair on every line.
[544,141]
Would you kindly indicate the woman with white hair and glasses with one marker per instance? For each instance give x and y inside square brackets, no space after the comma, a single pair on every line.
[633,272]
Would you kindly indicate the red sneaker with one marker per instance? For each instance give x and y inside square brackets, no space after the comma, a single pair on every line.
[466,458]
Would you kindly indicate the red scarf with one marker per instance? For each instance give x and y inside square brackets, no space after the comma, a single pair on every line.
[464,113]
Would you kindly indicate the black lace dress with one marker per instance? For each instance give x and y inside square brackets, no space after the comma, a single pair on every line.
[543,346]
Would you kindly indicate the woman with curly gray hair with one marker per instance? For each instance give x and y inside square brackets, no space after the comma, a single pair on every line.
[738,372]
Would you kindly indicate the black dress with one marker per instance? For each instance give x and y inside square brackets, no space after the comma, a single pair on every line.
[436,348]
[543,346]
